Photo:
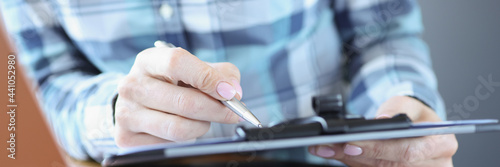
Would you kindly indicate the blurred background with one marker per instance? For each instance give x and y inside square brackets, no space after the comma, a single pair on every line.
[464,38]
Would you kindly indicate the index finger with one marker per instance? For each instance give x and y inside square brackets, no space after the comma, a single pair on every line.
[177,64]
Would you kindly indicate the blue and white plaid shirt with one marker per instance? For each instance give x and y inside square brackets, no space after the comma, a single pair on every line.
[287,52]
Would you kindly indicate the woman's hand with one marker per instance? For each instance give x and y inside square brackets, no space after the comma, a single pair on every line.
[171,96]
[434,150]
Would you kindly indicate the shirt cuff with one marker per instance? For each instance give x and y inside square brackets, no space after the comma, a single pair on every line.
[424,94]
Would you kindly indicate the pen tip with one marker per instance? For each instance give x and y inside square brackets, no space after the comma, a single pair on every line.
[259,125]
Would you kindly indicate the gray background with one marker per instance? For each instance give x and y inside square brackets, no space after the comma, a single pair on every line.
[464,38]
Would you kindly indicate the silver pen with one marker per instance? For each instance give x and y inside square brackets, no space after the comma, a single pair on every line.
[234,104]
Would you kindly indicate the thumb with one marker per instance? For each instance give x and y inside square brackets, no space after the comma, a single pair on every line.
[400,105]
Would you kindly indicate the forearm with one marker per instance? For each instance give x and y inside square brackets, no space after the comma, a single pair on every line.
[405,71]
[386,56]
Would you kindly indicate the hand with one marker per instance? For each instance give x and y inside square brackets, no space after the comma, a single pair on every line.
[434,150]
[171,96]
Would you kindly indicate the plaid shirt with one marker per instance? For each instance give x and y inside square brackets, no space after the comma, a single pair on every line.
[287,52]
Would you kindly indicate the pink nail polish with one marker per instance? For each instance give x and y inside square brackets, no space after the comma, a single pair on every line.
[352,150]
[225,90]
[325,151]
[238,88]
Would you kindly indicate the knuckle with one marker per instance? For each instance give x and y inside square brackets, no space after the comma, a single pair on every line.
[140,56]
[122,139]
[203,129]
[175,58]
[121,115]
[429,145]
[175,130]
[454,146]
[127,87]
[181,130]
[411,154]
[185,104]
[451,144]
[169,62]
[178,51]
[378,149]
[123,87]
[206,80]
[232,68]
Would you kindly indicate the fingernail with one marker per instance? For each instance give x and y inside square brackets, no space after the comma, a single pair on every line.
[238,88]
[225,90]
[352,150]
[382,116]
[325,151]
[240,119]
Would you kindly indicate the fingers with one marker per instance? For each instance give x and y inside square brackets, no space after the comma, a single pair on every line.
[185,102]
[167,126]
[410,150]
[418,151]
[406,151]
[335,151]
[227,69]
[177,64]
[161,125]
[171,95]
[129,139]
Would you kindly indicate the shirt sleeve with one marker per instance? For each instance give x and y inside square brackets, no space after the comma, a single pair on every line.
[385,55]
[76,97]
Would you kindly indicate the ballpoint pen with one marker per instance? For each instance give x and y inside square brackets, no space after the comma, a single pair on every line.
[234,104]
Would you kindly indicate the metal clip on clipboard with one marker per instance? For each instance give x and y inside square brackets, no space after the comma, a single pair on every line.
[331,119]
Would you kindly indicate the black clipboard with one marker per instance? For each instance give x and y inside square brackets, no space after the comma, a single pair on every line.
[332,125]
[239,145]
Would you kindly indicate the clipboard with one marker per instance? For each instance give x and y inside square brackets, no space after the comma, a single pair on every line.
[332,125]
